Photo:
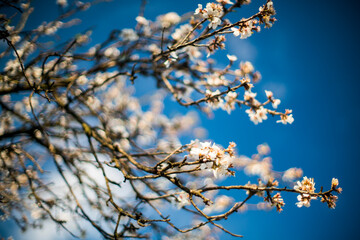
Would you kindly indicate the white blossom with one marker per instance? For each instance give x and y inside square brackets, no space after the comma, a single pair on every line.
[269,94]
[193,52]
[232,58]
[216,80]
[246,67]
[304,200]
[230,100]
[181,32]
[182,199]
[216,159]
[306,185]
[154,49]
[214,102]
[169,19]
[141,20]
[291,174]
[257,116]
[172,58]
[128,34]
[275,103]
[212,12]
[286,118]
[112,52]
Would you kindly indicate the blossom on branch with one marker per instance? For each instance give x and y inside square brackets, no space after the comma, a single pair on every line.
[213,13]
[87,124]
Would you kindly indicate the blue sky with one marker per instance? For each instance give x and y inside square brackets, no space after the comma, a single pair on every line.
[310,59]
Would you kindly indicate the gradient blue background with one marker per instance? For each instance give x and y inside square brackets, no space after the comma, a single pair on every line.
[309,59]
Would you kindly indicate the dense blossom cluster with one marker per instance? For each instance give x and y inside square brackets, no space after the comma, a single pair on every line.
[307,186]
[213,12]
[216,159]
[85,136]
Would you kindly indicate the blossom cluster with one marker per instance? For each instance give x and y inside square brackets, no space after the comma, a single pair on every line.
[118,155]
[212,12]
[213,157]
[307,185]
[247,28]
[307,189]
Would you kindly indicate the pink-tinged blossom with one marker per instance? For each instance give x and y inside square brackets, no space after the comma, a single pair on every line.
[304,200]
[266,19]
[278,202]
[330,200]
[275,103]
[214,102]
[245,31]
[198,10]
[215,158]
[182,199]
[249,96]
[334,183]
[236,31]
[306,185]
[212,13]
[285,119]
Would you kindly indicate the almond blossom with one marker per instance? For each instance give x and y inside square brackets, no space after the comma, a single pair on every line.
[304,200]
[246,67]
[232,58]
[291,174]
[182,200]
[94,115]
[258,115]
[128,34]
[181,32]
[169,19]
[212,12]
[214,102]
[141,20]
[286,118]
[172,58]
[275,102]
[217,159]
[230,100]
[307,186]
[278,202]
